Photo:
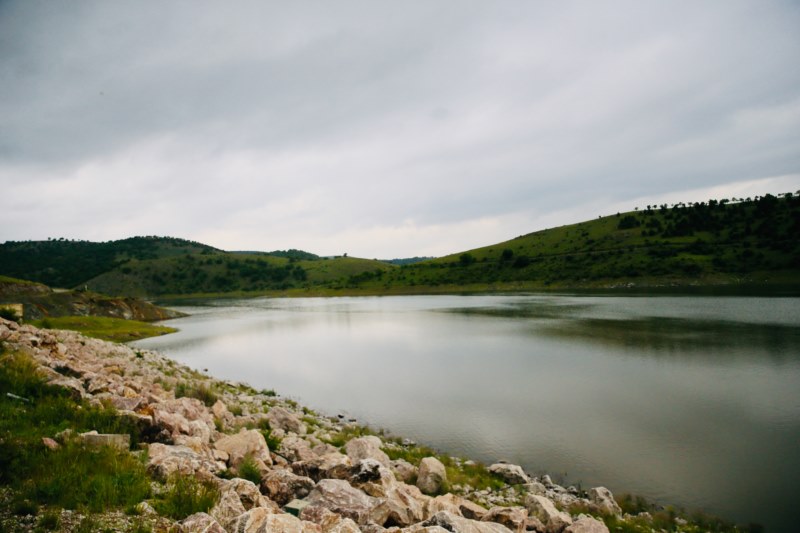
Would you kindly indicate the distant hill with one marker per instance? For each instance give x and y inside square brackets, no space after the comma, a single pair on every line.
[714,242]
[752,241]
[65,263]
[407,260]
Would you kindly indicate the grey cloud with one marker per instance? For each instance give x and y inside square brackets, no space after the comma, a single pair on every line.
[433,112]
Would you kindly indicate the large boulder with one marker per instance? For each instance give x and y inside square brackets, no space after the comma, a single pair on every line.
[332,465]
[164,460]
[540,507]
[459,524]
[456,505]
[367,448]
[227,508]
[201,523]
[249,493]
[221,413]
[294,448]
[184,416]
[280,418]
[340,497]
[587,524]
[404,471]
[282,486]
[432,476]
[248,442]
[604,501]
[260,520]
[329,521]
[514,518]
[511,474]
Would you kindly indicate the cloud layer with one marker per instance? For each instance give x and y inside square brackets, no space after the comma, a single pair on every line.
[384,129]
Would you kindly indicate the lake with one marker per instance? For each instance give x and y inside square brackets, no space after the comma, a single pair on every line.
[693,401]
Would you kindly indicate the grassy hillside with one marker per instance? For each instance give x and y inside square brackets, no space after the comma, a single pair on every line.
[715,242]
[708,243]
[218,273]
[68,264]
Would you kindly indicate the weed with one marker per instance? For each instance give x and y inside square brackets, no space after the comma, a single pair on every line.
[49,521]
[202,392]
[248,470]
[268,392]
[273,443]
[24,507]
[185,495]
[9,314]
[236,410]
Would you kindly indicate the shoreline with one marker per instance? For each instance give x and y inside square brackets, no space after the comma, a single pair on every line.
[212,430]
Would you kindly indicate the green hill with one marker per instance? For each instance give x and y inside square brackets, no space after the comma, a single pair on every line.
[707,243]
[227,273]
[715,242]
[65,263]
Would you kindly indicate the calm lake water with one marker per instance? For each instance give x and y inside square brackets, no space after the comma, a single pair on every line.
[692,401]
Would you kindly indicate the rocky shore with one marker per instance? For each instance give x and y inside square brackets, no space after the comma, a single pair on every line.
[313,473]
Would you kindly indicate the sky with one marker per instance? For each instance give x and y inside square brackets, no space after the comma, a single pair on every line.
[385,129]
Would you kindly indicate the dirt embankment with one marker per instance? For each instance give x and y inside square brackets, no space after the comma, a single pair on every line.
[40,301]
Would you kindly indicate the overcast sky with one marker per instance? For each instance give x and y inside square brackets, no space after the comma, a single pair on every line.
[385,128]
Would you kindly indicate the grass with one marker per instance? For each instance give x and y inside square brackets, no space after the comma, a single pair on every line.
[70,476]
[202,392]
[110,329]
[248,470]
[186,495]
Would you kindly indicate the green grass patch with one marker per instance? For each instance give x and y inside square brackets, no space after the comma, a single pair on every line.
[202,392]
[70,476]
[248,470]
[186,495]
[110,329]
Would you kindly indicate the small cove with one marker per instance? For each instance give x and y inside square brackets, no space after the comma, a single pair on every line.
[686,400]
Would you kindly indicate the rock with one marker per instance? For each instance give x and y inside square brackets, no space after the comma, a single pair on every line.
[248,442]
[122,403]
[587,524]
[329,466]
[405,471]
[511,474]
[471,510]
[282,486]
[72,385]
[329,521]
[93,439]
[554,520]
[201,523]
[50,444]
[221,413]
[534,487]
[164,460]
[514,518]
[280,418]
[294,448]
[227,508]
[259,520]
[432,475]
[248,492]
[339,497]
[447,502]
[366,448]
[459,524]
[604,501]
[184,416]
